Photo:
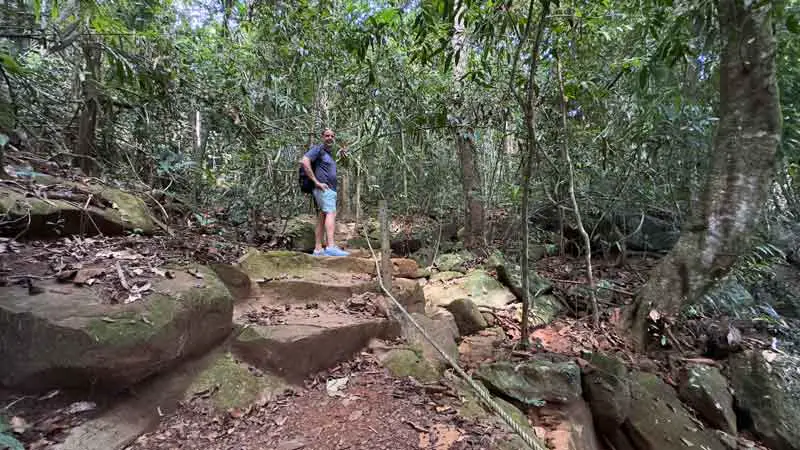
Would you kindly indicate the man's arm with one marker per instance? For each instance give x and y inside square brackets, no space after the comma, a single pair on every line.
[306,163]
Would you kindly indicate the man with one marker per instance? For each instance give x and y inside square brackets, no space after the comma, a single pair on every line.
[324,179]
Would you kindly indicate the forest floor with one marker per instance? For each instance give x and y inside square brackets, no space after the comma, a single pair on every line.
[372,411]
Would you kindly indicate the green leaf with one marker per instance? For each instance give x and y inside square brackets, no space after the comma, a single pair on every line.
[3,140]
[793,23]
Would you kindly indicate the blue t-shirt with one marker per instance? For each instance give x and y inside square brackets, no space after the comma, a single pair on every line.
[326,165]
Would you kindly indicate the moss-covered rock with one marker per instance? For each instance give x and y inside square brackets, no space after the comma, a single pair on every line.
[767,390]
[274,265]
[543,310]
[44,218]
[478,286]
[232,384]
[705,390]
[405,362]
[446,276]
[440,331]
[452,262]
[68,337]
[534,382]
[300,231]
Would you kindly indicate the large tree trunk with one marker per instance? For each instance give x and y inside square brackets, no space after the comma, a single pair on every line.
[465,145]
[742,167]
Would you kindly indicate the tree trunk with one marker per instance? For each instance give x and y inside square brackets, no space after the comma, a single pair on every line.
[530,111]
[742,168]
[88,118]
[465,145]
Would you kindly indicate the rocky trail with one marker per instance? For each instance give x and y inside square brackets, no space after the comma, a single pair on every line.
[187,340]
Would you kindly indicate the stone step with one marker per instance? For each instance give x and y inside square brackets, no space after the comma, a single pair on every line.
[307,345]
[275,264]
[225,381]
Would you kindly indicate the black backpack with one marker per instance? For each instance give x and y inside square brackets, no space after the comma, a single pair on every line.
[306,185]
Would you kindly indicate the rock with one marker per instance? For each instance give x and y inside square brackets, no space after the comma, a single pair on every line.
[659,421]
[404,362]
[446,276]
[570,427]
[276,265]
[511,275]
[705,390]
[654,235]
[728,297]
[534,382]
[293,351]
[237,282]
[452,262]
[786,236]
[439,331]
[766,386]
[112,211]
[445,319]
[473,409]
[481,347]
[602,291]
[301,233]
[544,309]
[468,317]
[607,389]
[232,384]
[782,291]
[477,285]
[68,336]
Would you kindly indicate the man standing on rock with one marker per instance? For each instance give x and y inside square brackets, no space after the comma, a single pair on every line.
[324,179]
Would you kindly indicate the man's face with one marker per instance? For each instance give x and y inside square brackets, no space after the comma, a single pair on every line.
[328,137]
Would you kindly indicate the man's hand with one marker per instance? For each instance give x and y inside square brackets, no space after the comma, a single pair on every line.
[343,152]
[322,186]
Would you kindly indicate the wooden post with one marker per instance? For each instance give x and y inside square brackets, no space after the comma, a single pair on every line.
[386,251]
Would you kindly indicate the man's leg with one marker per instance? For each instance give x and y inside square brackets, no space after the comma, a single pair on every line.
[329,206]
[318,232]
[330,227]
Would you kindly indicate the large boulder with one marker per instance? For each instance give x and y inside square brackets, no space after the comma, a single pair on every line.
[440,331]
[478,286]
[766,386]
[72,208]
[782,290]
[453,262]
[654,234]
[571,427]
[659,421]
[406,362]
[535,382]
[607,389]
[68,336]
[705,390]
[301,233]
[728,297]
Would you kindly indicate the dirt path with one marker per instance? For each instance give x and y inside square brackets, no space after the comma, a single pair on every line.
[373,411]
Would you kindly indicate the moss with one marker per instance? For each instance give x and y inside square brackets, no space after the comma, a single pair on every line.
[408,362]
[131,209]
[130,327]
[479,282]
[258,264]
[249,334]
[445,276]
[233,384]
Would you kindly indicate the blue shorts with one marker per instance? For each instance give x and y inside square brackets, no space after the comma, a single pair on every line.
[326,200]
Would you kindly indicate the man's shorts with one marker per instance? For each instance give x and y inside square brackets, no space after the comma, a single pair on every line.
[326,200]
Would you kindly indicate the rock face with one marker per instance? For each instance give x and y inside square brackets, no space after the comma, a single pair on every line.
[782,292]
[67,337]
[535,382]
[608,391]
[659,421]
[729,296]
[452,262]
[705,389]
[478,286]
[767,390]
[654,234]
[571,427]
[300,231]
[111,211]
[467,316]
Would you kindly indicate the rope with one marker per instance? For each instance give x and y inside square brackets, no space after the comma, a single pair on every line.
[483,394]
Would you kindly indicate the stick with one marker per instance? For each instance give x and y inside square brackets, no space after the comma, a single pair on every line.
[416,427]
[122,279]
